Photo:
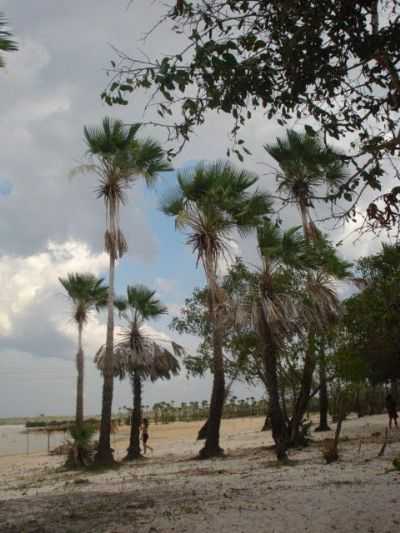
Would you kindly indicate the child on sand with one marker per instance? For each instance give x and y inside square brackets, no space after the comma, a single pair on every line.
[391,410]
[145,436]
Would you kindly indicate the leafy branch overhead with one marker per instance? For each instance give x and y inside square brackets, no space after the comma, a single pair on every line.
[332,60]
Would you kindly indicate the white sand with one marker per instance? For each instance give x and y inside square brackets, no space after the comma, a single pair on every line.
[244,492]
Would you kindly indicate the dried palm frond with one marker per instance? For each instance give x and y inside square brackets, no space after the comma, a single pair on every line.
[321,304]
[115,243]
[138,352]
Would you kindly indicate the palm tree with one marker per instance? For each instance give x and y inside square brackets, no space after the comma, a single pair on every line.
[212,201]
[306,165]
[6,42]
[139,354]
[118,158]
[291,295]
[275,313]
[86,292]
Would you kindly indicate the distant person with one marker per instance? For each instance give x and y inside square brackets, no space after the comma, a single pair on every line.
[390,403]
[145,436]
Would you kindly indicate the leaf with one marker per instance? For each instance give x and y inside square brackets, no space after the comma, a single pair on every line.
[310,131]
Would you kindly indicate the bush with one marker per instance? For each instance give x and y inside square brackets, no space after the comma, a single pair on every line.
[82,448]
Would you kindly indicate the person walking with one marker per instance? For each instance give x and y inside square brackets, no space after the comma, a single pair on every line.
[145,436]
[390,403]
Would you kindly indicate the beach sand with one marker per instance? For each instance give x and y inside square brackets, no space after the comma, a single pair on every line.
[247,491]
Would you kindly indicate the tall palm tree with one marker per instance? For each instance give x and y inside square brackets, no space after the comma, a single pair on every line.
[306,166]
[291,295]
[7,44]
[139,354]
[212,201]
[275,312]
[87,293]
[119,159]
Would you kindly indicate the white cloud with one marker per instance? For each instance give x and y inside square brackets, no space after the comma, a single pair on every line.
[29,281]
[50,88]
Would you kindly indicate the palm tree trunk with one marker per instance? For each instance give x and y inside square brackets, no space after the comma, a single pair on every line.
[300,408]
[305,219]
[301,403]
[279,427]
[202,434]
[323,395]
[211,446]
[80,377]
[134,440]
[104,456]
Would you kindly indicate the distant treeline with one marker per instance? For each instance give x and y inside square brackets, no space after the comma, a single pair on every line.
[164,412]
[361,400]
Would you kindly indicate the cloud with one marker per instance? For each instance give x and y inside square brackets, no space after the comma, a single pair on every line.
[52,225]
[31,289]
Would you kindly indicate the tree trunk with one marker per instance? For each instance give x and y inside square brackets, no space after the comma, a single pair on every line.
[307,223]
[104,456]
[323,396]
[300,408]
[267,422]
[202,434]
[79,381]
[211,447]
[279,428]
[134,441]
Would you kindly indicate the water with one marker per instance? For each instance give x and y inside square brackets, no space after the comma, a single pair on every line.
[15,440]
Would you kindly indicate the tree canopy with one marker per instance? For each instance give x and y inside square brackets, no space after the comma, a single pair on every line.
[334,61]
[368,344]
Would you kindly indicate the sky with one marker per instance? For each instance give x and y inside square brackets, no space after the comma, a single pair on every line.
[52,224]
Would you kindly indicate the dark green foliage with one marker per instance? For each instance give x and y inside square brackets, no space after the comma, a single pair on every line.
[82,449]
[306,165]
[140,304]
[370,335]
[332,60]
[212,200]
[86,292]
[83,435]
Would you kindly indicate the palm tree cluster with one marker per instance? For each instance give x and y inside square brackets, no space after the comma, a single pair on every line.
[289,297]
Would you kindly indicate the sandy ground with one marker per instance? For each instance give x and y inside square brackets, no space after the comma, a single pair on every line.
[244,492]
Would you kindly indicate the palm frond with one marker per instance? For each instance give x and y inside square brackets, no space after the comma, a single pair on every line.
[86,168]
[321,305]
[150,160]
[7,43]
[211,201]
[143,355]
[305,165]
[144,301]
[87,292]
